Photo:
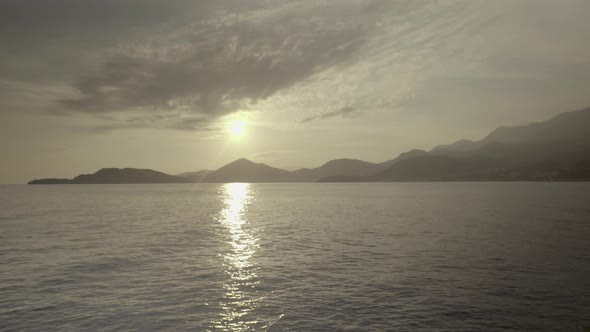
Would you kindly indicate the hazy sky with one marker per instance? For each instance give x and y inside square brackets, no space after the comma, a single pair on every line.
[155,84]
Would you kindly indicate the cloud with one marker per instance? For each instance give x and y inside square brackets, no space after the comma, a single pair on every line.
[137,120]
[183,64]
[346,110]
[221,64]
[21,96]
[271,155]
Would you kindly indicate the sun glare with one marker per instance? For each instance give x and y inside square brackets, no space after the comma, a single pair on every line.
[236,128]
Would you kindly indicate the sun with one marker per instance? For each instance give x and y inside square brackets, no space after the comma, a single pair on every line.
[236,128]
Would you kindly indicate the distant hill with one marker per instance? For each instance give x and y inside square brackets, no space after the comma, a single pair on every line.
[50,181]
[563,127]
[568,126]
[244,170]
[402,156]
[433,167]
[117,175]
[337,167]
[556,149]
[459,146]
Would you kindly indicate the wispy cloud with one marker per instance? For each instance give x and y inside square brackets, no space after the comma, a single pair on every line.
[346,110]
[184,64]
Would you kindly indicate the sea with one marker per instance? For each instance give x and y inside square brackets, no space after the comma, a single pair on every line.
[295,257]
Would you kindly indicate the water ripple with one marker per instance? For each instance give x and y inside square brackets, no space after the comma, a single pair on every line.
[294,257]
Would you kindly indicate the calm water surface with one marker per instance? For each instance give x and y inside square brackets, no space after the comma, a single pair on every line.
[295,257]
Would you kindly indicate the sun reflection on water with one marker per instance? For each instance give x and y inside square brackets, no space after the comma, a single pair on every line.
[240,297]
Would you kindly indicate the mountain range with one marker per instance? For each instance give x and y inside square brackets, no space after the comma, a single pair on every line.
[556,149]
[117,175]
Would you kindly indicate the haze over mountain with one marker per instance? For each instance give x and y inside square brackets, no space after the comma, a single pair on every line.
[556,149]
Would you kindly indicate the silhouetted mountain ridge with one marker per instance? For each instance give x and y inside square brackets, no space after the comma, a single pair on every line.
[563,127]
[556,149]
[404,155]
[244,170]
[338,167]
[117,175]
